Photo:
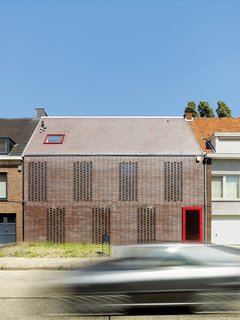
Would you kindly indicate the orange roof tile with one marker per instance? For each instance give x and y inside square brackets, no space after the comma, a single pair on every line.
[204,128]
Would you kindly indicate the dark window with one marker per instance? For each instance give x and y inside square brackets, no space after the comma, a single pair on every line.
[11,218]
[37,181]
[173,181]
[3,147]
[101,223]
[6,145]
[146,225]
[82,181]
[54,139]
[56,225]
[3,186]
[128,181]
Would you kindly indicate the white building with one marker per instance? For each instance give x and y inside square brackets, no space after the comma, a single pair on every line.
[219,138]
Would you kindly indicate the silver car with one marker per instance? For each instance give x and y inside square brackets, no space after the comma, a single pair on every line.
[199,277]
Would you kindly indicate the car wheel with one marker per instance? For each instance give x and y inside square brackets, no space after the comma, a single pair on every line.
[216,302]
[93,304]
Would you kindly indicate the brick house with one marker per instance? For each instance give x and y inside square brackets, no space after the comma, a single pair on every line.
[139,179]
[219,139]
[14,136]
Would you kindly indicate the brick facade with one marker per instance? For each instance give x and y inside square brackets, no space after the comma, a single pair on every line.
[13,204]
[52,208]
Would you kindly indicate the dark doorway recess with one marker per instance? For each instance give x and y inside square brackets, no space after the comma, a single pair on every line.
[192,224]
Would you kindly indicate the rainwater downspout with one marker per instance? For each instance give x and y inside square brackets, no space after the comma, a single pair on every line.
[205,198]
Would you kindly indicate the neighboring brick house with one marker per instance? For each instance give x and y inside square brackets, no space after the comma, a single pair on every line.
[219,139]
[139,179]
[14,136]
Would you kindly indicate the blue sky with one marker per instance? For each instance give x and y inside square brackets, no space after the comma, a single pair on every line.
[118,57]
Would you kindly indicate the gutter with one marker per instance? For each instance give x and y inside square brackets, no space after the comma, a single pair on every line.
[205,197]
[224,156]
[114,155]
[7,158]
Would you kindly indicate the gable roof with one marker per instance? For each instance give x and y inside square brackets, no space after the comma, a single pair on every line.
[19,130]
[204,128]
[114,136]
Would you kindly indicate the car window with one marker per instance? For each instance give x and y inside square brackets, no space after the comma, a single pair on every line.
[149,262]
[210,254]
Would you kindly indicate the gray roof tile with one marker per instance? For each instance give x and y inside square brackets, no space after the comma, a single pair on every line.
[115,135]
[19,130]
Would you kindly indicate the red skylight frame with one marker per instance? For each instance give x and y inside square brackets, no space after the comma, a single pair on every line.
[54,135]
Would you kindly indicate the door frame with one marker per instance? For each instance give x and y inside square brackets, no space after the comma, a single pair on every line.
[184,222]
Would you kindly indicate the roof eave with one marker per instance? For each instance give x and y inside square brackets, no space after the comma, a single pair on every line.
[223,155]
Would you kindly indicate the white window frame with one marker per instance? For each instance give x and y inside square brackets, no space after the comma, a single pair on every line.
[224,186]
[6,191]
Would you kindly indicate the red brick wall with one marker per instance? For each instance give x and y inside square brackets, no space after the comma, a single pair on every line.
[106,194]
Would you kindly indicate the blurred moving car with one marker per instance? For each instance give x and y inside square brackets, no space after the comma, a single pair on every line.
[201,277]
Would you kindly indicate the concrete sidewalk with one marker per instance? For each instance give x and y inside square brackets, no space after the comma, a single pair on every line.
[45,263]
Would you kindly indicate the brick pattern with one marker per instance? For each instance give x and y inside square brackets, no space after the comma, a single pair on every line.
[105,194]
[146,225]
[82,181]
[56,225]
[37,181]
[128,181]
[173,181]
[101,223]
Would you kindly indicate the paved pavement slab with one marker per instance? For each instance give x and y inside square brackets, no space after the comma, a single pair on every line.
[45,263]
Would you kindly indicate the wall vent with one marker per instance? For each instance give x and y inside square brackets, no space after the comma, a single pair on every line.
[128,181]
[146,225]
[37,181]
[173,181]
[82,181]
[56,225]
[101,223]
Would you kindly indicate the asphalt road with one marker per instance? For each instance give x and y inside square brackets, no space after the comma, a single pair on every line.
[23,297]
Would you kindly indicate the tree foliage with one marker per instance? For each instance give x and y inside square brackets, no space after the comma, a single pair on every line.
[205,110]
[191,107]
[223,110]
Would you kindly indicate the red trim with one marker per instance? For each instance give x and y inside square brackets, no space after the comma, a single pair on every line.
[184,214]
[52,135]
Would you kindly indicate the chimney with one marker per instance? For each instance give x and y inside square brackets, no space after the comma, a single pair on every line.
[188,116]
[40,112]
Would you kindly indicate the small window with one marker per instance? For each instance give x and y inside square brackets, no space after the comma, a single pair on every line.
[6,145]
[226,187]
[3,147]
[217,187]
[3,186]
[54,139]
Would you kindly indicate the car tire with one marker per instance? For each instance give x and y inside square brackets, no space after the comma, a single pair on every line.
[93,304]
[216,302]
